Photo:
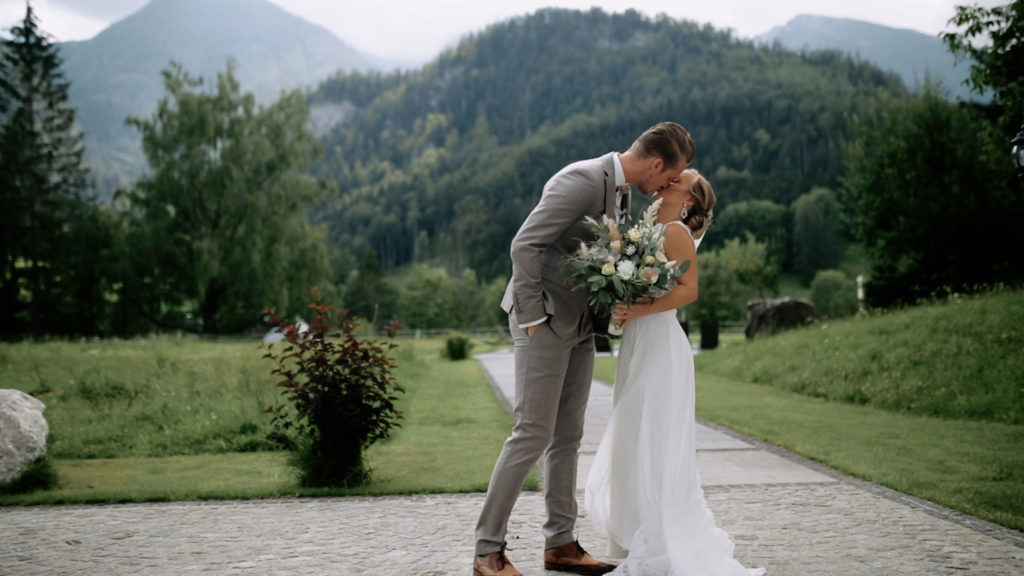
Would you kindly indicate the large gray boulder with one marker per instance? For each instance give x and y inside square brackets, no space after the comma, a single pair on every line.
[771,316]
[23,431]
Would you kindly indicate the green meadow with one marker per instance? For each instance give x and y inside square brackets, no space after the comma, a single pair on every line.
[928,401]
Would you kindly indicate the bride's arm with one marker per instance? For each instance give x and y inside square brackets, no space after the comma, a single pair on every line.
[679,247]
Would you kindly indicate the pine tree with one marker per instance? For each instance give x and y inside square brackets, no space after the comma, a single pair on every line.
[43,182]
[8,292]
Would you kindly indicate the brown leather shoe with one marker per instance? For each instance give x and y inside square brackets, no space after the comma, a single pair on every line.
[573,558]
[495,564]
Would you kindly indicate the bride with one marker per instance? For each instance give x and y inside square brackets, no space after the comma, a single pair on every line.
[643,489]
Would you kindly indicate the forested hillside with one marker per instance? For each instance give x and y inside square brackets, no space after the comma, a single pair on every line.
[445,162]
[118,73]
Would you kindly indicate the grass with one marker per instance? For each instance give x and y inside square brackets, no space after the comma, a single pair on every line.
[955,359]
[165,419]
[974,467]
[170,478]
[146,398]
[452,430]
[788,390]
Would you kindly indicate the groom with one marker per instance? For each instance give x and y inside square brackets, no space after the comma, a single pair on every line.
[552,328]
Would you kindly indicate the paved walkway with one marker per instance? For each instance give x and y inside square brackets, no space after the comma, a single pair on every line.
[785,513]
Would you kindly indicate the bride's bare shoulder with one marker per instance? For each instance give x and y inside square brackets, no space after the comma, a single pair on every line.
[676,231]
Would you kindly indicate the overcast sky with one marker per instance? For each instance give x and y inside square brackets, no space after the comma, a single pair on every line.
[418,30]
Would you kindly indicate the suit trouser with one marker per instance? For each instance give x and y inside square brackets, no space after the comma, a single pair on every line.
[553,375]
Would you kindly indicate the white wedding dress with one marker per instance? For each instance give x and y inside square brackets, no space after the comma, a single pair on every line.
[643,490]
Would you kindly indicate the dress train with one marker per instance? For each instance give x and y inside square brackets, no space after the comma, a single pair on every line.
[644,490]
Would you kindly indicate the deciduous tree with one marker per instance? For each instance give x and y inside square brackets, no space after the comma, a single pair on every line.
[817,243]
[222,221]
[740,271]
[930,201]
[992,39]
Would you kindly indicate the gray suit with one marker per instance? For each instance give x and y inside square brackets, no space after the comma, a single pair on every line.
[554,367]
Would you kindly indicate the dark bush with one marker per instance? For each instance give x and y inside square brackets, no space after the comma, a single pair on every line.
[39,475]
[342,396]
[457,346]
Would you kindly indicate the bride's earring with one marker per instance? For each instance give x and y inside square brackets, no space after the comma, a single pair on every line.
[684,212]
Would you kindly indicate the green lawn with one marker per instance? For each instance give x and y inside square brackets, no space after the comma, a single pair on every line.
[865,396]
[974,467]
[452,430]
[184,419]
[958,359]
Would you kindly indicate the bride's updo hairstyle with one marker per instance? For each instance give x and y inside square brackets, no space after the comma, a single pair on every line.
[700,216]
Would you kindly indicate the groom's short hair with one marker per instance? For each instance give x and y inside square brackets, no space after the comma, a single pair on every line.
[668,141]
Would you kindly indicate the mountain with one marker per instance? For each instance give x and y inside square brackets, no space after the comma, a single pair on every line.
[443,163]
[911,54]
[118,73]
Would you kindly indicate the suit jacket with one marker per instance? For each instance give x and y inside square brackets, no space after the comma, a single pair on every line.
[550,234]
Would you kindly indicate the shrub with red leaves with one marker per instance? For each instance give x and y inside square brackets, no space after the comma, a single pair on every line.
[342,393]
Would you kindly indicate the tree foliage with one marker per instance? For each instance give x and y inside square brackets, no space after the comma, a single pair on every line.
[221,223]
[433,170]
[52,240]
[430,298]
[931,199]
[443,164]
[992,39]
[817,242]
[768,222]
[834,294]
[368,293]
[740,271]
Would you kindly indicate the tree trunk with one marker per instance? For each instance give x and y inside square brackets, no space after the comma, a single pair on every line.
[708,334]
[211,305]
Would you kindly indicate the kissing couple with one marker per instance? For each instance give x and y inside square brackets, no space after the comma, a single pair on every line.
[643,490]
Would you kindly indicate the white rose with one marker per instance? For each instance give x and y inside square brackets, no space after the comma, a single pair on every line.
[626,269]
[635,234]
[649,259]
[608,269]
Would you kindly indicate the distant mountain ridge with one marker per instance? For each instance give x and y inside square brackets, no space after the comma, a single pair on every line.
[117,73]
[443,163]
[911,54]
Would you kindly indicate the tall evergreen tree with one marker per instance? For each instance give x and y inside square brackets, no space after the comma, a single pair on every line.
[43,184]
[8,290]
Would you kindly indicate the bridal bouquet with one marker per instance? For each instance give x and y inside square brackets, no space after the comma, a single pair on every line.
[624,265]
